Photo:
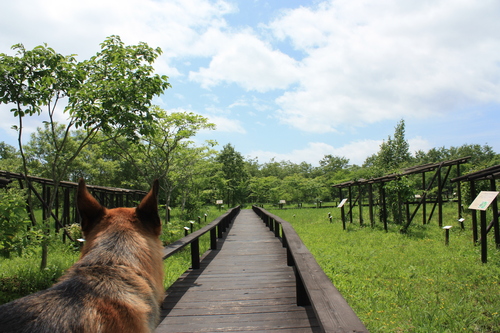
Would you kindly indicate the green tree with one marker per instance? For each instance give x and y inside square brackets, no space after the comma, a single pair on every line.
[331,165]
[13,221]
[233,168]
[9,158]
[395,152]
[265,189]
[164,148]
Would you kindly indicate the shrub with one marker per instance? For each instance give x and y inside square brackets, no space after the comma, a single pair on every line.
[14,222]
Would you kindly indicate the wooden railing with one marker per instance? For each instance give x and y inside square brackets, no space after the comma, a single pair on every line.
[313,286]
[216,228]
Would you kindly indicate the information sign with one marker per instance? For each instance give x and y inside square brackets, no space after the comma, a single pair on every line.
[342,203]
[483,200]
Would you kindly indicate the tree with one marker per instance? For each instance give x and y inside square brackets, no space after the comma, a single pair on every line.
[394,153]
[265,189]
[9,158]
[167,146]
[233,168]
[332,164]
[111,92]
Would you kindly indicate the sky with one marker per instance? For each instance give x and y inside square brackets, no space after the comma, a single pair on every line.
[296,80]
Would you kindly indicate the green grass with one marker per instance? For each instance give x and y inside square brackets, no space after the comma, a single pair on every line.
[406,282]
[20,276]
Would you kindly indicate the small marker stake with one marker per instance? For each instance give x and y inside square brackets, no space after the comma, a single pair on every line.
[447,234]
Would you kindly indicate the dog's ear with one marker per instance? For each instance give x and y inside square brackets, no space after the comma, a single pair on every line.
[90,210]
[147,210]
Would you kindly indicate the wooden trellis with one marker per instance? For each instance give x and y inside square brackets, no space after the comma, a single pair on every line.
[64,211]
[490,175]
[366,187]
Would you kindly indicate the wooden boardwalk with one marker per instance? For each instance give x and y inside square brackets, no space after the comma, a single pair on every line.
[246,285]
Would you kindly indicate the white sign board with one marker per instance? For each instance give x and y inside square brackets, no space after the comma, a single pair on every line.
[483,200]
[342,203]
[219,202]
[282,201]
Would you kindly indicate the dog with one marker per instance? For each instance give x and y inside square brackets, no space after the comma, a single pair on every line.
[115,286]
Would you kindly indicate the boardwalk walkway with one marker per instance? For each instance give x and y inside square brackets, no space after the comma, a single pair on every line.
[246,285]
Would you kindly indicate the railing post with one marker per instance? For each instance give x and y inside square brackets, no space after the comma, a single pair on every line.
[195,254]
[271,224]
[213,239]
[276,229]
[222,224]
[302,298]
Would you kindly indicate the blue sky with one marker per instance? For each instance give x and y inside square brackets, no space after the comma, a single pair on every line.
[296,80]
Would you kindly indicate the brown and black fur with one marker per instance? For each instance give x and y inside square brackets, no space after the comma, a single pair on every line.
[116,286]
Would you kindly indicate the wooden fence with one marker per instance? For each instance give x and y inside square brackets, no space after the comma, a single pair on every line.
[216,228]
[313,286]
[64,211]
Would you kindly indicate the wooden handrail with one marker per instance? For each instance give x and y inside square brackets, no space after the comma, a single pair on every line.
[313,286]
[220,225]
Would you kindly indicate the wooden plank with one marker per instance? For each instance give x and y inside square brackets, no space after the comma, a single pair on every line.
[246,285]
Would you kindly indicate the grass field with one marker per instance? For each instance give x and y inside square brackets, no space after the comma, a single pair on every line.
[406,282]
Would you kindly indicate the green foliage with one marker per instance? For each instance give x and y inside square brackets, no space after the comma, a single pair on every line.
[395,152]
[234,172]
[116,92]
[406,282]
[397,193]
[20,276]
[14,222]
[32,78]
[109,93]
[9,158]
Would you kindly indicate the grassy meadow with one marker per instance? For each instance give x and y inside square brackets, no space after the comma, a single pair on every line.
[406,282]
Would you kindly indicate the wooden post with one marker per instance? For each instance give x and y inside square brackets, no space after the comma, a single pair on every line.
[350,204]
[484,237]
[370,204]
[302,298]
[474,214]
[213,239]
[440,198]
[219,231]
[360,203]
[447,234]
[494,206]
[384,207]
[195,254]
[424,199]
[459,193]
[56,204]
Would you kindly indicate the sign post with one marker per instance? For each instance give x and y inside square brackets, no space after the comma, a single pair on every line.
[481,203]
[342,212]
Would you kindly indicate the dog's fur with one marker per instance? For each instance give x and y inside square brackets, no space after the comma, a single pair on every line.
[116,286]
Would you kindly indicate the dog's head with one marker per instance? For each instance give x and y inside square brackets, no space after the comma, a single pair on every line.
[97,217]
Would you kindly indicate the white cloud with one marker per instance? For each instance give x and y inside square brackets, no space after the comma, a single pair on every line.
[244,59]
[372,61]
[356,152]
[419,143]
[224,124]
[174,25]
